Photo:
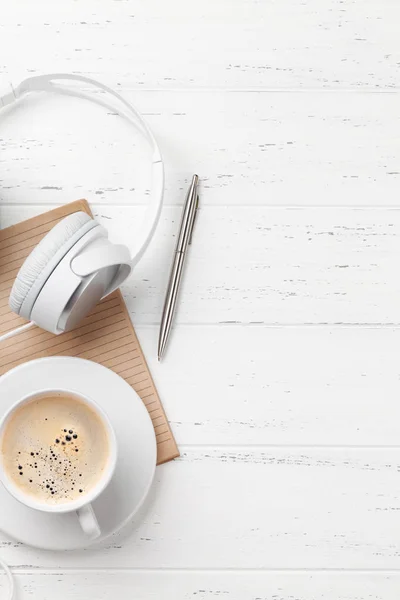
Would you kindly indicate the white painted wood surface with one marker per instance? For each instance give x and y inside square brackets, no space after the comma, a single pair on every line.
[277,149]
[222,44]
[201,585]
[282,381]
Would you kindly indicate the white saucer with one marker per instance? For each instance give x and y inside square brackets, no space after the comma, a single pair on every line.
[136,452]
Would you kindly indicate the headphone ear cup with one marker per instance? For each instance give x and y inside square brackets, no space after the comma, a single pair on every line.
[44,258]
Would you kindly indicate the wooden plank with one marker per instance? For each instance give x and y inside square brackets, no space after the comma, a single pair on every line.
[221,44]
[272,508]
[280,385]
[231,585]
[249,148]
[266,266]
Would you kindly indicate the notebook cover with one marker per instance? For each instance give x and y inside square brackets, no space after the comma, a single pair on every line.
[106,336]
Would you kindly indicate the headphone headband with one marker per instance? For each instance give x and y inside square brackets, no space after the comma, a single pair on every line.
[47,83]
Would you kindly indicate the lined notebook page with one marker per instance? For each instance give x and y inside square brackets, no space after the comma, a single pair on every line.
[106,336]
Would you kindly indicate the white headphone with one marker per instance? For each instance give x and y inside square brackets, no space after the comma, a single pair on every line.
[75,265]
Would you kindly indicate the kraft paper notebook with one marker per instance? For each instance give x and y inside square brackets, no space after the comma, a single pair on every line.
[106,336]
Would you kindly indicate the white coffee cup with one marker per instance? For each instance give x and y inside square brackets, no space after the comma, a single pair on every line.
[82,505]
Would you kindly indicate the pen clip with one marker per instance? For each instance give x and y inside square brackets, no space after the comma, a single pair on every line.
[194,220]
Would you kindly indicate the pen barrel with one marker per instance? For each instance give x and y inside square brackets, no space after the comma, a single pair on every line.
[188,217]
[183,241]
[171,299]
[174,281]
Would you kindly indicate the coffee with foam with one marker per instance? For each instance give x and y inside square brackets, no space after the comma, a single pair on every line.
[55,448]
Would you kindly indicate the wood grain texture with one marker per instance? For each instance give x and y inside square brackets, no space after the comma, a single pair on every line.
[219,508]
[224,44]
[266,266]
[231,585]
[280,385]
[265,149]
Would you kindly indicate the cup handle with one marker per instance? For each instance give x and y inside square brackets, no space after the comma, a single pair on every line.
[88,521]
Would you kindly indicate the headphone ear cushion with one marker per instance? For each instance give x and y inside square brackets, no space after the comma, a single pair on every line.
[42,254]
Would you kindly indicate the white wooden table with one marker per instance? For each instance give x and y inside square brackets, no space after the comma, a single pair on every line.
[282,381]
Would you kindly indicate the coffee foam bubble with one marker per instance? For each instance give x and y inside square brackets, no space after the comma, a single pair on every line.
[55,448]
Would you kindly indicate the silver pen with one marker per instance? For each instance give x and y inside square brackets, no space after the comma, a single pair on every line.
[184,240]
